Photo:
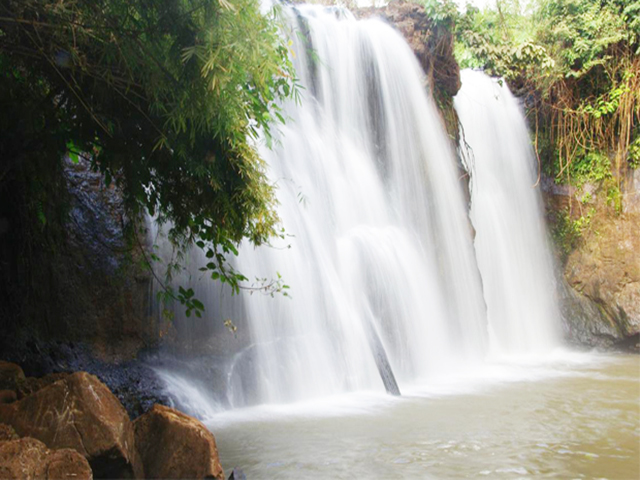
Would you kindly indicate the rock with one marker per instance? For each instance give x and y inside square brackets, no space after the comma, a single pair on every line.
[7,433]
[606,270]
[81,413]
[67,463]
[11,375]
[599,287]
[175,445]
[8,396]
[32,385]
[28,458]
[584,323]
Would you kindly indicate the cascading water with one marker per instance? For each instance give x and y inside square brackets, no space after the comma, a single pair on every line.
[385,283]
[506,212]
[381,265]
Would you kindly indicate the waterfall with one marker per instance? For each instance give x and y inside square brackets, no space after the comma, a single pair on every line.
[506,211]
[379,253]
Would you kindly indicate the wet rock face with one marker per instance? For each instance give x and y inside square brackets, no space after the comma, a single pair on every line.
[8,396]
[174,445]
[81,413]
[11,376]
[7,433]
[584,323]
[85,282]
[28,458]
[32,385]
[111,292]
[606,270]
[600,285]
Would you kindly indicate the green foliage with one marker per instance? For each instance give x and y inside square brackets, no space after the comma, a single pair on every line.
[590,167]
[614,198]
[634,154]
[164,97]
[443,13]
[607,103]
[579,32]
[568,232]
[576,64]
[631,15]
[555,39]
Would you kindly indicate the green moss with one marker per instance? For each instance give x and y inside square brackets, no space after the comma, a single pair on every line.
[567,232]
[633,159]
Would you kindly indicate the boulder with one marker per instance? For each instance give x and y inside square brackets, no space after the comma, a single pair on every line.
[32,385]
[28,458]
[81,413]
[174,445]
[7,433]
[605,270]
[7,396]
[11,376]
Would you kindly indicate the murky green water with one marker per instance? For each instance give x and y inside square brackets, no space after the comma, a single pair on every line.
[577,417]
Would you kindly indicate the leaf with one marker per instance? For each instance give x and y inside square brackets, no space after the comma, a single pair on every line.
[198,304]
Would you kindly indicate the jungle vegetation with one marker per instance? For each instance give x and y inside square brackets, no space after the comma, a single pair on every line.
[163,97]
[576,66]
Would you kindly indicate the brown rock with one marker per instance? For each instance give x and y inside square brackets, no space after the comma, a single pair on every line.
[7,433]
[67,463]
[28,458]
[81,413]
[7,396]
[175,445]
[605,268]
[600,302]
[32,385]
[11,375]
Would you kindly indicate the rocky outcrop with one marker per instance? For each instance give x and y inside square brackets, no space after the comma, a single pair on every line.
[31,384]
[134,382]
[28,458]
[605,269]
[585,324]
[174,445]
[7,433]
[81,413]
[11,375]
[74,427]
[600,279]
[84,281]
[7,396]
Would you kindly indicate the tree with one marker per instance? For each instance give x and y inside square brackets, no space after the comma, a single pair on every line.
[164,97]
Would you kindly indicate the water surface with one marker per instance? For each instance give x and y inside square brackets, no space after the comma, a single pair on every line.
[576,416]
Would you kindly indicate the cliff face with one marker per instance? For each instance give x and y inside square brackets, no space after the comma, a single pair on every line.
[600,287]
[80,281]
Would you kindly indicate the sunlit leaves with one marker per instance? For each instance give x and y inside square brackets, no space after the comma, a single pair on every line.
[172,94]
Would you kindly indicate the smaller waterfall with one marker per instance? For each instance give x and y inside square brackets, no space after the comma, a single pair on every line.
[506,211]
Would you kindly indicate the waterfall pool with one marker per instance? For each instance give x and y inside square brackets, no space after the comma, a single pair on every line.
[575,416]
